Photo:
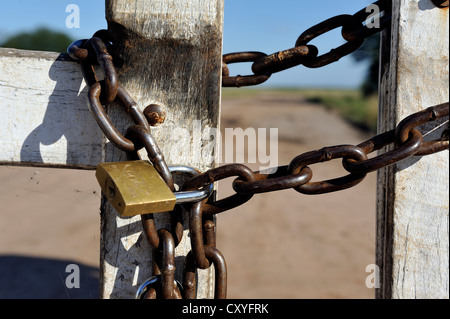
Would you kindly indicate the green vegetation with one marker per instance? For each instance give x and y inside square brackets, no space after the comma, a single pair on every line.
[41,39]
[352,105]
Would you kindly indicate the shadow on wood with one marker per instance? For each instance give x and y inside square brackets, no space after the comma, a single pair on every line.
[61,120]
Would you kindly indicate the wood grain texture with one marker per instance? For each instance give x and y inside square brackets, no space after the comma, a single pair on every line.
[45,115]
[167,52]
[413,205]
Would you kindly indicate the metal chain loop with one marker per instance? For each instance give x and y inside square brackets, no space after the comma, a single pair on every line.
[196,230]
[407,149]
[203,255]
[327,154]
[219,173]
[220,269]
[335,54]
[422,117]
[216,258]
[77,52]
[106,63]
[102,119]
[238,81]
[85,51]
[189,282]
[284,60]
[167,268]
[283,178]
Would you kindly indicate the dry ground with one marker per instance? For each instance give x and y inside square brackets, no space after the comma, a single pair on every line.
[280,245]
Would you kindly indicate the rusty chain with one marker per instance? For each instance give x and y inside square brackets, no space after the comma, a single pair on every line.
[407,141]
[137,136]
[403,142]
[354,31]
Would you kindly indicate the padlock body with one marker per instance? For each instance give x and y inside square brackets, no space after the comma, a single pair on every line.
[134,188]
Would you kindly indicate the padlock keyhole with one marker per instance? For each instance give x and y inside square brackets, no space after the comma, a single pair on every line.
[111,187]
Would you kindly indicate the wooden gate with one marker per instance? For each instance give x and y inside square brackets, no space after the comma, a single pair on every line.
[174,55]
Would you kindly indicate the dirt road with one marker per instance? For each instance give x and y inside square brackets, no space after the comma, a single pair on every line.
[280,245]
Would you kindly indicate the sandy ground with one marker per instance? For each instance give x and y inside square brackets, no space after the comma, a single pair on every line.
[282,245]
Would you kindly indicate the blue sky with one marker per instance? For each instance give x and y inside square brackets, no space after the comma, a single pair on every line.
[249,25]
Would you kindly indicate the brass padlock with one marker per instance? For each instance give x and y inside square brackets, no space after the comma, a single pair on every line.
[134,188]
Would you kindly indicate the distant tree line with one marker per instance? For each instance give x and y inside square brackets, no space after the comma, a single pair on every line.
[42,39]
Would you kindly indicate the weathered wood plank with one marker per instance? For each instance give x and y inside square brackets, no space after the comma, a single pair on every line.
[413,205]
[169,53]
[45,116]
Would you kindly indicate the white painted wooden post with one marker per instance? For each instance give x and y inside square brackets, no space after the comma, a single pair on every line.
[413,204]
[170,53]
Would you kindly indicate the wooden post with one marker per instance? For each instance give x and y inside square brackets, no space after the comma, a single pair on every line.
[169,53]
[412,217]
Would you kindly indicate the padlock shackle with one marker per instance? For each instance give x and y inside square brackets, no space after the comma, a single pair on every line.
[193,196]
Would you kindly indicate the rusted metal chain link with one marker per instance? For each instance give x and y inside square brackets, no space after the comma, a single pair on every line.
[203,249]
[354,31]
